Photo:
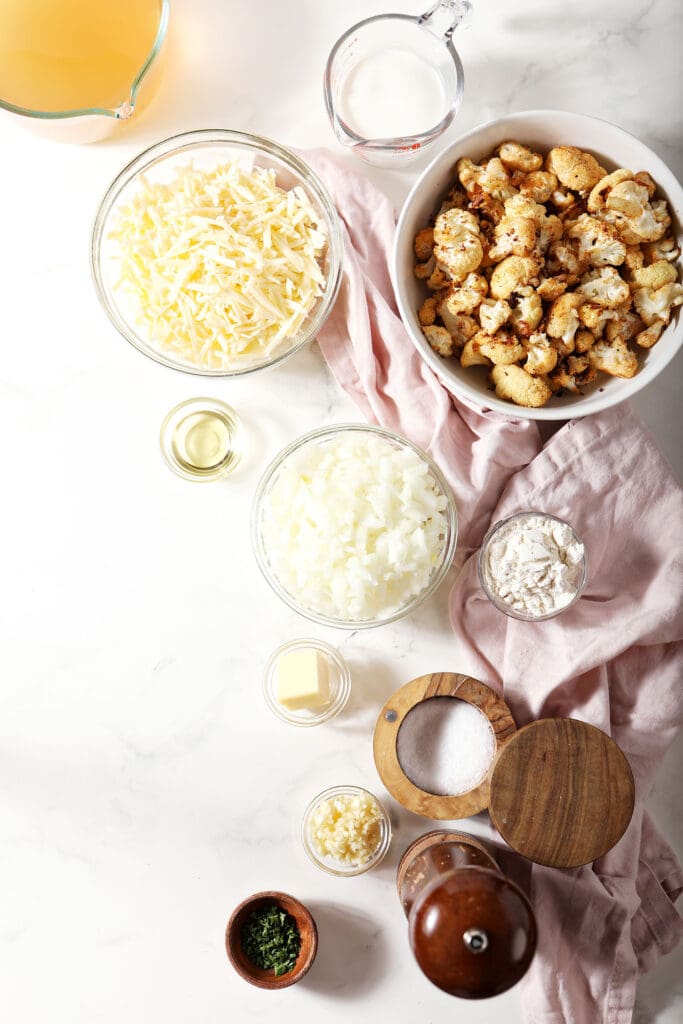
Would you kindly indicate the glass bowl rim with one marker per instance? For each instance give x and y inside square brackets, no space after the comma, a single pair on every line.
[326,714]
[183,142]
[513,613]
[385,827]
[438,573]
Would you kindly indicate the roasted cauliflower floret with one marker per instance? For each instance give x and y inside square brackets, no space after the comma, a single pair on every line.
[518,157]
[653,305]
[664,249]
[424,270]
[551,288]
[643,178]
[515,384]
[599,243]
[623,325]
[614,358]
[471,354]
[604,287]
[563,318]
[460,326]
[572,375]
[526,312]
[502,348]
[634,257]
[563,258]
[594,317]
[654,276]
[541,356]
[426,314]
[511,274]
[583,340]
[439,278]
[439,339]
[599,193]
[492,178]
[628,207]
[648,337]
[493,313]
[538,186]
[466,296]
[424,243]
[574,168]
[560,199]
[514,236]
[456,242]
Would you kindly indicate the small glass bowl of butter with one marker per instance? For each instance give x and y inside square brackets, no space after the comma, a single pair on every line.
[306,682]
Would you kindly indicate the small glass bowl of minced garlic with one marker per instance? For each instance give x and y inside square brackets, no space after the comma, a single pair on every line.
[345,831]
[306,682]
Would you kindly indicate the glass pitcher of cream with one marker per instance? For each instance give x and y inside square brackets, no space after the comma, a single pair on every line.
[75,69]
[393,83]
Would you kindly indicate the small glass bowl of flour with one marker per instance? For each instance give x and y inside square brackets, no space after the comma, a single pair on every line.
[532,566]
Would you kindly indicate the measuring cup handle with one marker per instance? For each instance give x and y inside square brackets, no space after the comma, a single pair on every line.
[445,16]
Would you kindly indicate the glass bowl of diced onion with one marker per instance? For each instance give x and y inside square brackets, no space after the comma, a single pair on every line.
[217,253]
[345,831]
[353,526]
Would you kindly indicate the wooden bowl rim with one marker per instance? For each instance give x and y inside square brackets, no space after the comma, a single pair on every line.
[298,910]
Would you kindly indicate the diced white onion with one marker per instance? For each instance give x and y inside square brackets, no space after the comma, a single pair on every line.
[354,527]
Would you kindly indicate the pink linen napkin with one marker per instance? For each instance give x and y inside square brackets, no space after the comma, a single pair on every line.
[615,659]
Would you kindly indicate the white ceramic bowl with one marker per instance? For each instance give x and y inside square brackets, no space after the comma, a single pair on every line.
[542,129]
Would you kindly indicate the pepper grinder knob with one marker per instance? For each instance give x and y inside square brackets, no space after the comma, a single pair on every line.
[476,940]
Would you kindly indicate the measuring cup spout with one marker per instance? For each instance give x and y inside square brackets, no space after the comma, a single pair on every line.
[444,17]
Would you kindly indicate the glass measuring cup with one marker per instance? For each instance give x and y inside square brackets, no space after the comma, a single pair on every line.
[75,71]
[426,75]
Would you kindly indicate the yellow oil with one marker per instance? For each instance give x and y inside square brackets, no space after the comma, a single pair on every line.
[58,55]
[202,439]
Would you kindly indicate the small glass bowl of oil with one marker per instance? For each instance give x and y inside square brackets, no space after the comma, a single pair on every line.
[202,439]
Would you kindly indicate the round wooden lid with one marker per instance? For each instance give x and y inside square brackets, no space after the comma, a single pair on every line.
[473,932]
[561,792]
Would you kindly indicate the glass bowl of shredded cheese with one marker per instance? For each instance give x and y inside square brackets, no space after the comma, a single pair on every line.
[353,526]
[217,253]
[346,831]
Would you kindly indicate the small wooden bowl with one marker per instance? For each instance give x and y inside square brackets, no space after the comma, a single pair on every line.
[308,933]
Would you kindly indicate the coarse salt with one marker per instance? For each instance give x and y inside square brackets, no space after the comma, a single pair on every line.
[445,746]
[534,563]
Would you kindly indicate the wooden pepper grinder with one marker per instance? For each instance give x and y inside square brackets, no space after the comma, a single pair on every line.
[471,929]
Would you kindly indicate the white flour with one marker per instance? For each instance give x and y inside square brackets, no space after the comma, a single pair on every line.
[534,564]
[445,746]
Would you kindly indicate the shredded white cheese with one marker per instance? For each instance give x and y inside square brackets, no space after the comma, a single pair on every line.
[220,266]
[347,828]
[354,527]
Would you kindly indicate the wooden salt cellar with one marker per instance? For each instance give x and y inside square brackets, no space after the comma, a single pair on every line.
[471,929]
[559,791]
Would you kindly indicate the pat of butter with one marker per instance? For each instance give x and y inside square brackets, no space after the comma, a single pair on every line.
[303,680]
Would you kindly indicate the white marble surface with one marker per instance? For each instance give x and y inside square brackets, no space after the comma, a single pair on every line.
[144,787]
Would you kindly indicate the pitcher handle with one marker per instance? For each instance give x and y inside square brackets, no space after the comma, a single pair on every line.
[444,16]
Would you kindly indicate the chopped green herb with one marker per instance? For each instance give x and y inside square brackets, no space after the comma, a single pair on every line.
[270,938]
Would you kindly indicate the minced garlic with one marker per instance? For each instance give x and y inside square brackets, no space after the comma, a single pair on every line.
[347,828]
